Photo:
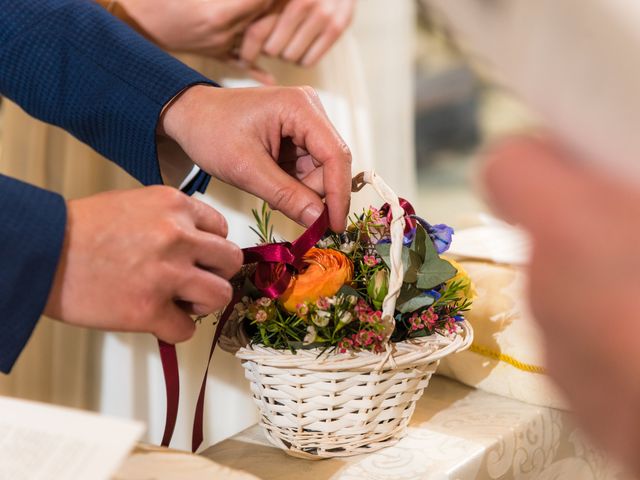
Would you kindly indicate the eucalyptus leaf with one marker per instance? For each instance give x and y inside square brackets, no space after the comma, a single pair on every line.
[407,292]
[434,270]
[419,244]
[416,303]
[419,334]
[411,261]
[348,290]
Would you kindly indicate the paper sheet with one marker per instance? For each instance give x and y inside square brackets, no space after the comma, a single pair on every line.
[39,441]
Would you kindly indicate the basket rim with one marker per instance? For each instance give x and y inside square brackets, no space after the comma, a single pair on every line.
[408,353]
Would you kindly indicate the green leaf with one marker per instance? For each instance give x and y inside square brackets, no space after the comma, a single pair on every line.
[407,292]
[347,290]
[434,270]
[411,261]
[416,303]
[419,244]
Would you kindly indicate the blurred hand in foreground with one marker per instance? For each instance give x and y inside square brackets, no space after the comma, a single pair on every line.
[298,31]
[209,28]
[584,280]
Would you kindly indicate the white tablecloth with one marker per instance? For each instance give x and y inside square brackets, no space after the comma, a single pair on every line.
[456,433]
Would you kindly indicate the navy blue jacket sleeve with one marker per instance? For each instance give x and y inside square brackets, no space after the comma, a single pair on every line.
[70,63]
[31,236]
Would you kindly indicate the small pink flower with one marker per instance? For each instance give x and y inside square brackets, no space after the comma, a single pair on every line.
[261,316]
[345,345]
[302,309]
[362,307]
[371,261]
[416,322]
[323,303]
[429,317]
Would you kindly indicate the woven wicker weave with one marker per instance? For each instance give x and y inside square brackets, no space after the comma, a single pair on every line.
[320,406]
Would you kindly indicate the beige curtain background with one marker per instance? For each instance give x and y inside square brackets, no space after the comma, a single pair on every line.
[366,84]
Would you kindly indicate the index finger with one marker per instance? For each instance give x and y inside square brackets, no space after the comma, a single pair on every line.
[208,219]
[255,36]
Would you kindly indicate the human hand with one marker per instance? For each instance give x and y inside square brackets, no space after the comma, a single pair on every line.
[276,143]
[584,280]
[210,27]
[141,261]
[298,31]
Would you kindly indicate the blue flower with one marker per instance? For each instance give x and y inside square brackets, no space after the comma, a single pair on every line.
[440,234]
[409,236]
[433,294]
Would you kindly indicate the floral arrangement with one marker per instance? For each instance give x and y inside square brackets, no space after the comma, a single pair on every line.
[334,302]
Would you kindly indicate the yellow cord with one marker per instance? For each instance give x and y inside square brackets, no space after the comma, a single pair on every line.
[501,357]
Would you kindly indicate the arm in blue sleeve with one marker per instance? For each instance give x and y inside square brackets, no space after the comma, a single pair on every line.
[31,235]
[70,63]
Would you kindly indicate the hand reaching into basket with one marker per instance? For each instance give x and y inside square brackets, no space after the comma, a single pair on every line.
[276,143]
[584,280]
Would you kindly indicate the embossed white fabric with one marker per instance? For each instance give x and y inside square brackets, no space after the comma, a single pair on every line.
[456,433]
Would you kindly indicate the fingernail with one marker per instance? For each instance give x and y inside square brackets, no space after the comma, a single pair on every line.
[311,214]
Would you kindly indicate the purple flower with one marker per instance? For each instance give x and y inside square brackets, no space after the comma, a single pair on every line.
[409,236]
[440,234]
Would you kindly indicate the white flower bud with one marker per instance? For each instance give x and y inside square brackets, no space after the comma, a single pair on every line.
[311,335]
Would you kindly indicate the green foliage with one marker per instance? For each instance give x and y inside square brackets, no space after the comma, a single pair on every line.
[264,228]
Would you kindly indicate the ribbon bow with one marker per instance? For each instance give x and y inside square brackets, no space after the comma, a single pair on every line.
[276,264]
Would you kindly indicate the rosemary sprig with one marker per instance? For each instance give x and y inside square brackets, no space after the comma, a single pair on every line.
[264,228]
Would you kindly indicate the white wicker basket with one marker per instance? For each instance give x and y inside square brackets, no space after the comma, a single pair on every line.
[321,406]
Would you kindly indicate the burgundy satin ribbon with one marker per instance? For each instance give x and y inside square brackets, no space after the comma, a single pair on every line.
[409,211]
[169,359]
[276,263]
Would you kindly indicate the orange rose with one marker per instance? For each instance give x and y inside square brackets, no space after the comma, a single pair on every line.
[326,272]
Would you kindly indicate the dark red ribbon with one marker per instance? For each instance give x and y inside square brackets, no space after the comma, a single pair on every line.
[169,359]
[409,212]
[276,263]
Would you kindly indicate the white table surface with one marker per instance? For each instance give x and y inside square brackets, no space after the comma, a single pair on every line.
[456,433]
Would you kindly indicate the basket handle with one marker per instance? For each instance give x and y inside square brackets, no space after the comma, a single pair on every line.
[396,274]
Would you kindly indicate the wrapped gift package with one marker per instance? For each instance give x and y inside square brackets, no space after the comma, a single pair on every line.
[507,354]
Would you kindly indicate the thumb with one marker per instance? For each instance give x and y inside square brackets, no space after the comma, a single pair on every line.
[285,193]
